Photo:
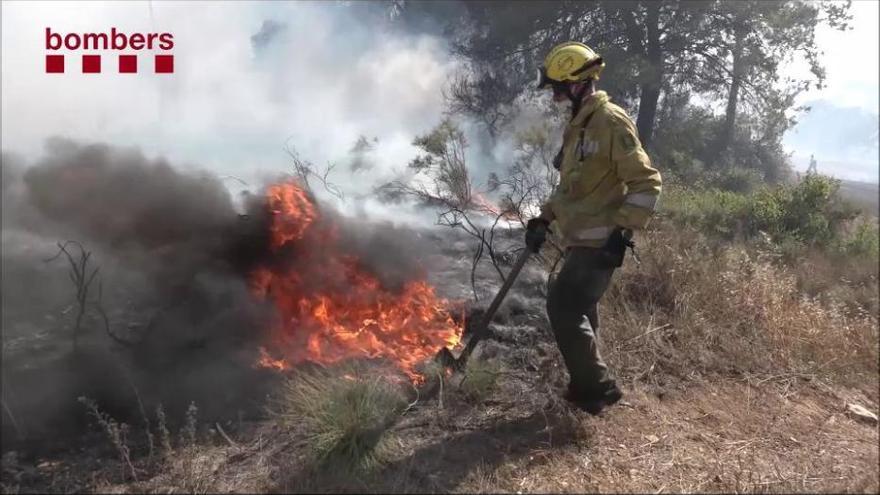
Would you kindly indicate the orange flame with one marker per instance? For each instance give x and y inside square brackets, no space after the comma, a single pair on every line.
[484,205]
[267,361]
[331,307]
[293,213]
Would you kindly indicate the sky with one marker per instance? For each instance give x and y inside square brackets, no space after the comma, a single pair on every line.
[841,128]
[316,78]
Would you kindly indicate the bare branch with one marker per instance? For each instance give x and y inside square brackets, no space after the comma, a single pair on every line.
[82,284]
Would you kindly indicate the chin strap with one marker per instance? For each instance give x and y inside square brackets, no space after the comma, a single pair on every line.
[575,102]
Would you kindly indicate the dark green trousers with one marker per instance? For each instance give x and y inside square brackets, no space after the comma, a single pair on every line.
[572,304]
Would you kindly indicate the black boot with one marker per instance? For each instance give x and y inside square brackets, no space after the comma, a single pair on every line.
[593,402]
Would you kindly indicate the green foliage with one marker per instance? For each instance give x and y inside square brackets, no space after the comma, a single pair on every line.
[342,414]
[687,146]
[437,143]
[737,179]
[443,161]
[808,213]
[712,211]
[727,52]
[863,240]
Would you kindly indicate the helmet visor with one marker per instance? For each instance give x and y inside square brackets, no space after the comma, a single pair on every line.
[559,87]
[542,80]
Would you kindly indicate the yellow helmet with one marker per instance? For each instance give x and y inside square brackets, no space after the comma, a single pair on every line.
[570,62]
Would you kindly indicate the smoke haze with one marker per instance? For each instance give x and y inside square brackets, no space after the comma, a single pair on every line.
[160,177]
[249,79]
[175,259]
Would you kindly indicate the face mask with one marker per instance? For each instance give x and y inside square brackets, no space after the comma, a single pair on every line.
[561,89]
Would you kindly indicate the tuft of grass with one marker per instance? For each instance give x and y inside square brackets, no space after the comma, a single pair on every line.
[343,415]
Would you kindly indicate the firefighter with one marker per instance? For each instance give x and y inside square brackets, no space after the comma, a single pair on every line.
[607,189]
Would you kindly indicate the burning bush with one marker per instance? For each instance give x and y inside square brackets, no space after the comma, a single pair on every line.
[330,305]
[193,292]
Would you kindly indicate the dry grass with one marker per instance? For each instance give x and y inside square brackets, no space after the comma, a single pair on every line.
[693,308]
[706,440]
[848,280]
[342,412]
[736,380]
[480,380]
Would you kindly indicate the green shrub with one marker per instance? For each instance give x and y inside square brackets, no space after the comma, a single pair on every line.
[766,211]
[712,211]
[809,213]
[807,209]
[737,180]
[812,211]
[863,240]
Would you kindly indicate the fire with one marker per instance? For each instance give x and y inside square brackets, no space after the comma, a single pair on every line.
[330,306]
[267,361]
[484,205]
[293,213]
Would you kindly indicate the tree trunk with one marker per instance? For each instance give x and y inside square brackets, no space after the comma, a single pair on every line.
[651,76]
[733,96]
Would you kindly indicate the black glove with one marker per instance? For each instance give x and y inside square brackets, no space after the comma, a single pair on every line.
[615,246]
[536,233]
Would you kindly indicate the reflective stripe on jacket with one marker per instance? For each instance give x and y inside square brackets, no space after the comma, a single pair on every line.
[606,178]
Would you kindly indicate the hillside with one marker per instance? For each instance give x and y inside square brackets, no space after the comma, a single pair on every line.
[864,194]
[733,382]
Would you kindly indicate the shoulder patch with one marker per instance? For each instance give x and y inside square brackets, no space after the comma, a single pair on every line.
[617,115]
[627,142]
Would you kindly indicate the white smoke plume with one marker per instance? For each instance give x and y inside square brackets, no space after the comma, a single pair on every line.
[250,78]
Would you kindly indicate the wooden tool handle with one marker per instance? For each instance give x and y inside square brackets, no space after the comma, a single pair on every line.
[480,331]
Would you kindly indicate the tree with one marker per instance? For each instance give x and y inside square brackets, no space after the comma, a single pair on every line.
[439,178]
[757,36]
[651,48]
[501,45]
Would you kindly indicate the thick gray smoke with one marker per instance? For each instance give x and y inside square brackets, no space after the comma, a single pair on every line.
[168,283]
[174,258]
[173,223]
[174,246]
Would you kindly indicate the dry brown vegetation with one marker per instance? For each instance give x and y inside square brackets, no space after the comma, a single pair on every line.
[735,379]
[693,309]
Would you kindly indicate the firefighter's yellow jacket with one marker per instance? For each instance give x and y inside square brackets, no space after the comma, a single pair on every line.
[606,178]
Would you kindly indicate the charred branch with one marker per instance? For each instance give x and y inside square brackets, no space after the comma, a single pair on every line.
[81,279]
